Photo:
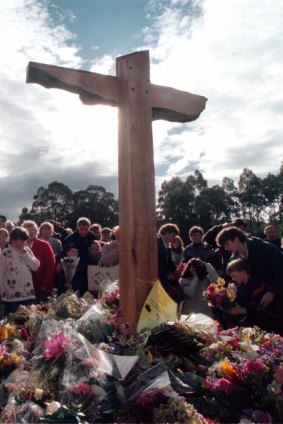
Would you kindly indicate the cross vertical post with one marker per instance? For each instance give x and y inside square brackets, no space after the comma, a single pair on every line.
[137,216]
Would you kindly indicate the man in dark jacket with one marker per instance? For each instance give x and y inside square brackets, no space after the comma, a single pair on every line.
[265,260]
[81,238]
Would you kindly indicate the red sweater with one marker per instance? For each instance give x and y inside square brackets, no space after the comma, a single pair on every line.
[44,277]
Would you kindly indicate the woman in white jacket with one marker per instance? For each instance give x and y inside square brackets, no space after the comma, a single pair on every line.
[16,263]
[195,278]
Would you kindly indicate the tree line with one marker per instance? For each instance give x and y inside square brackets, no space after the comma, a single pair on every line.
[185,202]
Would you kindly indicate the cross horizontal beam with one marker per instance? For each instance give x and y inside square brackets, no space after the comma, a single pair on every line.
[93,88]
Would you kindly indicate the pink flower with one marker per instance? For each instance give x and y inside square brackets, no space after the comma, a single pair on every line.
[82,388]
[224,385]
[254,367]
[3,349]
[54,346]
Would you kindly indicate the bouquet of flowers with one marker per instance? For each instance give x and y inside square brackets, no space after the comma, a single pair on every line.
[219,296]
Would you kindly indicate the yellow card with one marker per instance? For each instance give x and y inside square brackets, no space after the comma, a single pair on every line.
[159,307]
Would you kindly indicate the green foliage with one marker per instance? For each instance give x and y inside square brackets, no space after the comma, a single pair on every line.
[184,202]
[191,202]
[58,202]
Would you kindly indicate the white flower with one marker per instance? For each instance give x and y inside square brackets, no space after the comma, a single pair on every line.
[249,348]
[38,394]
[248,332]
[18,346]
[53,407]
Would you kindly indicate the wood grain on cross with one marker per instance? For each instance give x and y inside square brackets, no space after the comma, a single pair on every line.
[139,103]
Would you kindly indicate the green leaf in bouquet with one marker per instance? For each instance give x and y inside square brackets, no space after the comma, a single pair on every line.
[63,415]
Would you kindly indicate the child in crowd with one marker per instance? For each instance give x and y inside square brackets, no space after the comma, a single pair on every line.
[69,272]
[251,290]
[16,263]
[177,247]
[195,278]
[94,253]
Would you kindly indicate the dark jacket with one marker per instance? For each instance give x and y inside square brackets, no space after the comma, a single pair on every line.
[194,250]
[82,243]
[166,265]
[276,243]
[76,277]
[249,296]
[165,261]
[266,262]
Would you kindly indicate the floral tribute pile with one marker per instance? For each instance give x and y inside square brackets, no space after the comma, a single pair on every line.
[74,360]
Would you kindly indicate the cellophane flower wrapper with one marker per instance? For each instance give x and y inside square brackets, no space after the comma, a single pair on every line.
[169,374]
[94,324]
[201,322]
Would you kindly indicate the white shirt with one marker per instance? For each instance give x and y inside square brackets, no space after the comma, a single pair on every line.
[15,274]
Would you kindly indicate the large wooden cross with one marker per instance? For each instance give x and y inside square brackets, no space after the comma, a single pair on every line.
[139,103]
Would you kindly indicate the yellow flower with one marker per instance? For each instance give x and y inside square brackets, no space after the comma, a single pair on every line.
[231,292]
[15,359]
[3,333]
[12,330]
[227,369]
[221,282]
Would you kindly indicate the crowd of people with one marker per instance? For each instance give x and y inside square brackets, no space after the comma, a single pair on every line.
[35,260]
[226,251]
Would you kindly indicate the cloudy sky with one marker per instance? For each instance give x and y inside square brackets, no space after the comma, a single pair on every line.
[230,51]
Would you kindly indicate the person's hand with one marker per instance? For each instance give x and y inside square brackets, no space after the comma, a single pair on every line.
[24,250]
[237,310]
[267,299]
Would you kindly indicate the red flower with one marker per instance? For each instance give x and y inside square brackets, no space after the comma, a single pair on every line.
[254,367]
[224,385]
[82,388]
[25,335]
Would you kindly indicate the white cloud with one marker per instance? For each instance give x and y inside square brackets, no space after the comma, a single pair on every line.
[228,51]
[231,55]
[46,130]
